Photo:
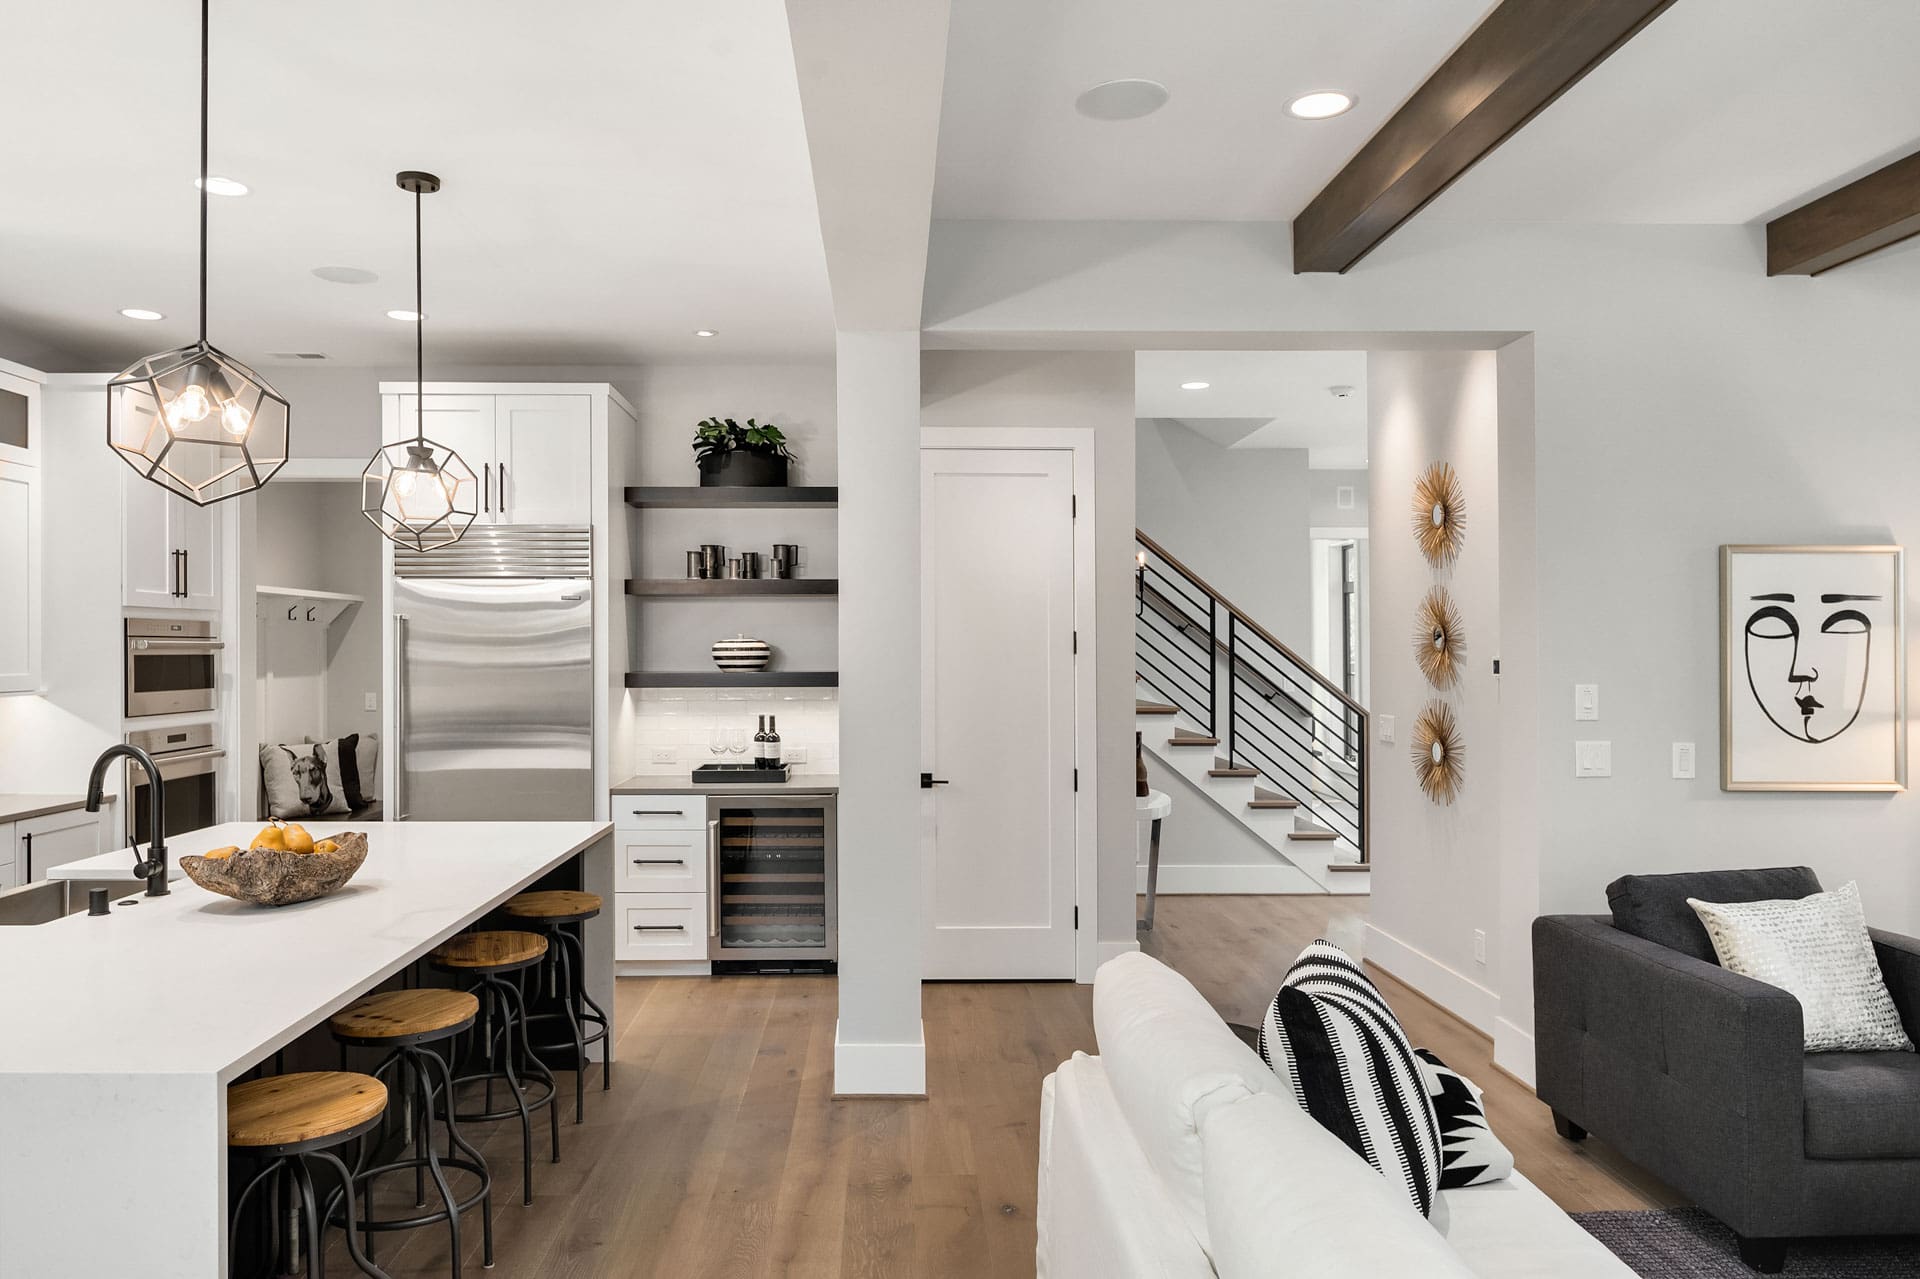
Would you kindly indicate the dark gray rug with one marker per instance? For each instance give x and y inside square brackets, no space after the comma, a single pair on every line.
[1686,1243]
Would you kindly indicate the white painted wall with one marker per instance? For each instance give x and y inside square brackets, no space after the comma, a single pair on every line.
[1683,400]
[1437,875]
[1323,506]
[1069,389]
[1237,517]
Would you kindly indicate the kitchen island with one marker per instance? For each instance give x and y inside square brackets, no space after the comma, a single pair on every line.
[119,1034]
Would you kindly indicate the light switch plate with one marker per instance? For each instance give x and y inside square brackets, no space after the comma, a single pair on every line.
[1586,701]
[372,702]
[1593,759]
[1386,728]
[1479,945]
[1685,761]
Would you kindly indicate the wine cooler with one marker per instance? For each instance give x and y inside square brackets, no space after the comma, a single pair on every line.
[772,903]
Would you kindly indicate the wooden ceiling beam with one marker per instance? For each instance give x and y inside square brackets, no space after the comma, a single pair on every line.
[1880,209]
[1520,58]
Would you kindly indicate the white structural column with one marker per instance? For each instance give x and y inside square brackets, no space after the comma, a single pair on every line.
[878,1044]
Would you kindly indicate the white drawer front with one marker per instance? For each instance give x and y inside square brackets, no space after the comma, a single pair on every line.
[660,812]
[662,926]
[663,861]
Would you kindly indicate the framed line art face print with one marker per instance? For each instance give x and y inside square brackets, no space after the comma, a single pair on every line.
[1813,681]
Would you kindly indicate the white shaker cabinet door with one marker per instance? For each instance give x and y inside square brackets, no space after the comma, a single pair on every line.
[149,565]
[463,423]
[544,462]
[195,532]
[19,578]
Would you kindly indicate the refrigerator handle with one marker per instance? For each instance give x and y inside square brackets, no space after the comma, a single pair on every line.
[398,747]
[486,488]
[713,878]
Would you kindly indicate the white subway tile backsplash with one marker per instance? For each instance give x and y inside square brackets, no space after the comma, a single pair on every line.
[686,719]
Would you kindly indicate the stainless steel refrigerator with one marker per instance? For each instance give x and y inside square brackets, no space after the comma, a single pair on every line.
[494,688]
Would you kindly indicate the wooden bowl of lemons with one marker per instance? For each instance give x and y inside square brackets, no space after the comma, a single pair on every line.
[283,865]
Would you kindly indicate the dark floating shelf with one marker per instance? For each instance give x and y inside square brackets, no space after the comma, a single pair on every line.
[734,587]
[692,497]
[733,679]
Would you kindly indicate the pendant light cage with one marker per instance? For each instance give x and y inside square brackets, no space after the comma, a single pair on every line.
[419,493]
[197,422]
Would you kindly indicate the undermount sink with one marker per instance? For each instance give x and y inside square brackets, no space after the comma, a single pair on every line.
[51,899]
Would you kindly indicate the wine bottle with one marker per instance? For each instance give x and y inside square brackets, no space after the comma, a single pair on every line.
[773,744]
[760,745]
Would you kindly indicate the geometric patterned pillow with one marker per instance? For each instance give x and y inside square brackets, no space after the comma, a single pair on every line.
[1472,1155]
[1331,1037]
[1817,949]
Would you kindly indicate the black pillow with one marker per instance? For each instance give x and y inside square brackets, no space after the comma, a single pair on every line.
[1655,907]
[350,772]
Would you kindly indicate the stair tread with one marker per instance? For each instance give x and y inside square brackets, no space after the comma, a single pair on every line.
[1233,772]
[1154,708]
[1179,739]
[1273,803]
[1318,835]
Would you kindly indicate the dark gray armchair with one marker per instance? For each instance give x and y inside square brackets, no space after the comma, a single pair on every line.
[1699,1075]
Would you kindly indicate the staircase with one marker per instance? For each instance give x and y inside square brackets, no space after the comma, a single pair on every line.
[1250,726]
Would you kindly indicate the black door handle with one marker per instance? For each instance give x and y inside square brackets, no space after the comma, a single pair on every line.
[928,781]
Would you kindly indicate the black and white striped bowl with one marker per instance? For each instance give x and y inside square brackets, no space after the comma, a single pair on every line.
[742,654]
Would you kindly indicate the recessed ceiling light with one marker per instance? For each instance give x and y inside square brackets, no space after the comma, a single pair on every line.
[140,313]
[217,185]
[1122,99]
[1195,386]
[1340,392]
[1320,106]
[706,333]
[345,275]
[408,316]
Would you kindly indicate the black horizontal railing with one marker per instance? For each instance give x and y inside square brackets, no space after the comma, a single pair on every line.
[1272,711]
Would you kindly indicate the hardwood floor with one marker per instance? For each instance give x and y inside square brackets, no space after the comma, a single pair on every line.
[721,1151]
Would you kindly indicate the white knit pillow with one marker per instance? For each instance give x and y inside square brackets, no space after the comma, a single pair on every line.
[1816,949]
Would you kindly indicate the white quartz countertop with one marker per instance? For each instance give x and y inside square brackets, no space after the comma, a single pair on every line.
[18,808]
[194,982]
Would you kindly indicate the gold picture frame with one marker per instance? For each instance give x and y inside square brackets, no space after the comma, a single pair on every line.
[1812,698]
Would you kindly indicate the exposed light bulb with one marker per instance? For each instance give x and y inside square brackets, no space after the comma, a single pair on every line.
[236,419]
[403,482]
[190,406]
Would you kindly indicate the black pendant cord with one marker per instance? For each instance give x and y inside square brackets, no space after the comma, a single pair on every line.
[419,330]
[203,167]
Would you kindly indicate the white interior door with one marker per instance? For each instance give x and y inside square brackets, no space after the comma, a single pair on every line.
[998,711]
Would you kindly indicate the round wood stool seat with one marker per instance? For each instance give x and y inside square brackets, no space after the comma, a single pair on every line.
[412,1015]
[555,906]
[498,951]
[282,1113]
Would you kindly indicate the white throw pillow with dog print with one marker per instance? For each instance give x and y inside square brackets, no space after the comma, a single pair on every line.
[303,780]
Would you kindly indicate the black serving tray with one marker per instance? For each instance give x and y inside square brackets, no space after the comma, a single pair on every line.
[745,773]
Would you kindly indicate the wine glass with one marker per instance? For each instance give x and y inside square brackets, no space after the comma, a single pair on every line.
[737,741]
[717,743]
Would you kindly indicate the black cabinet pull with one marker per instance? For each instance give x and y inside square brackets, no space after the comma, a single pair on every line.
[186,576]
[659,861]
[928,781]
[657,812]
[659,928]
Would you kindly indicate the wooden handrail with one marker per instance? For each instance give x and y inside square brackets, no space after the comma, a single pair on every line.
[1241,616]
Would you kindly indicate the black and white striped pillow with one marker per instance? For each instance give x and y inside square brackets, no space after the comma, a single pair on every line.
[1471,1155]
[1330,1035]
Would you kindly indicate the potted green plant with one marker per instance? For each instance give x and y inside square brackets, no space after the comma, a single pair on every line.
[732,455]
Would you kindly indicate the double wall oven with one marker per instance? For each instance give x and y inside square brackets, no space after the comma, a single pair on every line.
[189,764]
[173,667]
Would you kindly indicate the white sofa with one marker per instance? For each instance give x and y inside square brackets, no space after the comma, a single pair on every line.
[1177,1153]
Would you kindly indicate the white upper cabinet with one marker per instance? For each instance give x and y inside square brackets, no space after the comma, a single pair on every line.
[20,604]
[170,553]
[533,454]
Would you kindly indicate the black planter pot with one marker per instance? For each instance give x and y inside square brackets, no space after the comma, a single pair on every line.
[741,469]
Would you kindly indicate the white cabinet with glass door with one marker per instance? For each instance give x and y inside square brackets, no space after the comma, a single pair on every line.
[532,454]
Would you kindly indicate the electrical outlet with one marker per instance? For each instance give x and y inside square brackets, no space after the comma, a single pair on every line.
[664,755]
[1479,945]
[1685,761]
[372,702]
[794,754]
[1386,728]
[1593,759]
[1586,701]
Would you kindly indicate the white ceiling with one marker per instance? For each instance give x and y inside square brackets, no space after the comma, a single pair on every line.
[1223,148]
[1262,400]
[1722,111]
[617,175]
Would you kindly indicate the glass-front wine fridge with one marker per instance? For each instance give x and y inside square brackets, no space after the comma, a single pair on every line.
[772,903]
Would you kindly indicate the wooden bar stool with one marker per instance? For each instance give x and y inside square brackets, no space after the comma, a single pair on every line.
[498,1049]
[563,975]
[287,1120]
[405,1022]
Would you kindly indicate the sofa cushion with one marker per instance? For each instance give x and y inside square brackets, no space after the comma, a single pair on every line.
[1655,906]
[1470,1154]
[1332,1039]
[1817,950]
[1169,1059]
[1286,1197]
[1863,1105]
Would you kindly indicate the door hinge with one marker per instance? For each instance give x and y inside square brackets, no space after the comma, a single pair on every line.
[1076,781]
[1076,919]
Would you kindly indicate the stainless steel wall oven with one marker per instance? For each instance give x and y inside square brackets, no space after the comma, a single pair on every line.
[172,666]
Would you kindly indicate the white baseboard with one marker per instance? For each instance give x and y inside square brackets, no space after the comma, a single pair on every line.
[1114,949]
[1244,879]
[662,968]
[879,1070]
[1513,1050]
[1457,993]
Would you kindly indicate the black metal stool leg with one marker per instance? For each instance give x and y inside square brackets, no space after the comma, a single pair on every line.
[594,1011]
[309,1216]
[559,956]
[239,1207]
[360,1258]
[534,1066]
[456,1141]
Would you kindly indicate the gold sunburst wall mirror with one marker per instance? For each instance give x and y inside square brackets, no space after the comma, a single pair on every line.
[1438,643]
[1439,755]
[1439,514]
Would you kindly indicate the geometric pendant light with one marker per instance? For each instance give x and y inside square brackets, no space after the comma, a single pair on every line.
[194,420]
[418,493]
